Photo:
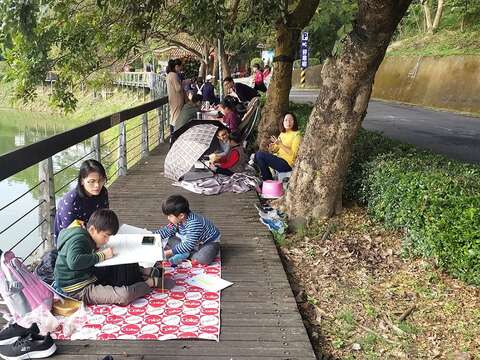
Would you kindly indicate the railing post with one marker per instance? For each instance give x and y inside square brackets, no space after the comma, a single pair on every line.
[122,149]
[47,197]
[160,124]
[96,148]
[145,135]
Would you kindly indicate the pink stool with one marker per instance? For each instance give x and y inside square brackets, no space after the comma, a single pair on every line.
[272,189]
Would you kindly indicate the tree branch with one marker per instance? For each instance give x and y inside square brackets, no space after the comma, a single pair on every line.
[297,18]
[234,11]
[438,15]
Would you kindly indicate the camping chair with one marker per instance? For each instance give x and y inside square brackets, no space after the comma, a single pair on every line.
[247,128]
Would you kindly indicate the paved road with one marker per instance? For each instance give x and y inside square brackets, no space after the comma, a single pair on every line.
[453,135]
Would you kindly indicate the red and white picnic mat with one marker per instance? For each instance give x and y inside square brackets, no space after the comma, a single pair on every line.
[184,312]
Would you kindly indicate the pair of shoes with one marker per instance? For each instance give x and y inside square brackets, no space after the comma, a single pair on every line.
[265,207]
[12,332]
[273,225]
[28,344]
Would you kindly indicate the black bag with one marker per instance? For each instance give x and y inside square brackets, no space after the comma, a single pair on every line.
[119,275]
[44,270]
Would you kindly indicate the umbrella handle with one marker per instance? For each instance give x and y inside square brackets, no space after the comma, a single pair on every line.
[208,167]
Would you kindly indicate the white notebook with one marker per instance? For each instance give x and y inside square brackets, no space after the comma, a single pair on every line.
[134,245]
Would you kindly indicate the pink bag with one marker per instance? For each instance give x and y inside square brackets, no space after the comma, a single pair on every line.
[22,290]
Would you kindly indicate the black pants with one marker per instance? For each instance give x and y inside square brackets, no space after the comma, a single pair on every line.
[119,275]
[224,171]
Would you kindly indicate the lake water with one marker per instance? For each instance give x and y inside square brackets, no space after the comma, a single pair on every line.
[17,129]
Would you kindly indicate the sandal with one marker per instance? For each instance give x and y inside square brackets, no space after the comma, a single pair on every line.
[154,272]
[163,283]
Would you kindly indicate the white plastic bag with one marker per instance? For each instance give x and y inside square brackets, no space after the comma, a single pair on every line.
[75,322]
[43,317]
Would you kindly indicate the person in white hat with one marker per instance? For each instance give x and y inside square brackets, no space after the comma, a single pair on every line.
[208,91]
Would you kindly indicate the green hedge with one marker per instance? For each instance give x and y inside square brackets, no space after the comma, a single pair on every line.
[435,199]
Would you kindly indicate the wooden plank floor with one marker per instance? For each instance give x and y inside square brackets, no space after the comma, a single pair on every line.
[259,316]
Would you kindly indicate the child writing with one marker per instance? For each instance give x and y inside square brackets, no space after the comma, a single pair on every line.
[197,236]
[77,255]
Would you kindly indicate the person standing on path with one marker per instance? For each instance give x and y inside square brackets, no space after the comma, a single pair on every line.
[176,97]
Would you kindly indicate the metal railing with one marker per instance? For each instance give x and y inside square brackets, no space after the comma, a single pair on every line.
[119,141]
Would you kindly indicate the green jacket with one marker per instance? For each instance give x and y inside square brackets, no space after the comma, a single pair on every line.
[189,112]
[76,259]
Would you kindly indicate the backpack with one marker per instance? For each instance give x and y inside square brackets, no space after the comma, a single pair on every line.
[22,290]
[44,269]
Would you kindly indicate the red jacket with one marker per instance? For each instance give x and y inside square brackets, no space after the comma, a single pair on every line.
[258,77]
[230,159]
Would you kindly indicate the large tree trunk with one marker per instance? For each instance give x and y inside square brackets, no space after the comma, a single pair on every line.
[280,84]
[287,41]
[315,189]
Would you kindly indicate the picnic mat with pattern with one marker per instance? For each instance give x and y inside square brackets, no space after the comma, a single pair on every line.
[184,312]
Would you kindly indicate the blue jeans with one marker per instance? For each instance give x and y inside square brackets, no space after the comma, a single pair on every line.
[266,160]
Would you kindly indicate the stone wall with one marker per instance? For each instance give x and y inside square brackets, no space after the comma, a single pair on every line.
[441,82]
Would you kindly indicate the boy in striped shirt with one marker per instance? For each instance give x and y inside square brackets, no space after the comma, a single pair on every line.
[189,234]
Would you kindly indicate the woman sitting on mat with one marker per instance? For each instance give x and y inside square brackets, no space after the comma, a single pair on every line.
[282,150]
[89,195]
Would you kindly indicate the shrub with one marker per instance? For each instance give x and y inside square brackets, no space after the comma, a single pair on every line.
[435,199]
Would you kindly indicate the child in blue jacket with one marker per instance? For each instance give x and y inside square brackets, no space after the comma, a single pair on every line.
[190,234]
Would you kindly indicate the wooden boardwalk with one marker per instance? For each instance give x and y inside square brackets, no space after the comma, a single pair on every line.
[259,316]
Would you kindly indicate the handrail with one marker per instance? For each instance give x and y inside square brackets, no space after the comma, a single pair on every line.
[20,159]
[133,144]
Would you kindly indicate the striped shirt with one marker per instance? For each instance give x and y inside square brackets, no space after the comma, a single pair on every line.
[194,231]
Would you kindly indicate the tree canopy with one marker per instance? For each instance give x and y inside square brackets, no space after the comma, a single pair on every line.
[76,38]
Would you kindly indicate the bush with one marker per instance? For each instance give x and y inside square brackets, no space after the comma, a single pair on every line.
[435,199]
[302,112]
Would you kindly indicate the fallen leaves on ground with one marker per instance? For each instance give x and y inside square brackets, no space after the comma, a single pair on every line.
[353,288]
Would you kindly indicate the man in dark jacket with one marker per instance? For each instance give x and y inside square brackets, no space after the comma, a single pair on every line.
[243,92]
[208,91]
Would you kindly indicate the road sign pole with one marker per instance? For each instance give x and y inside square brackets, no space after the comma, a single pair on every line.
[303,57]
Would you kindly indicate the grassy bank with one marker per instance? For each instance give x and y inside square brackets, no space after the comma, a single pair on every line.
[88,107]
[443,43]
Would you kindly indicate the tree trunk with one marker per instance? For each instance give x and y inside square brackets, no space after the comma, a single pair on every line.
[287,40]
[202,72]
[438,15]
[280,84]
[428,15]
[215,67]
[225,66]
[316,185]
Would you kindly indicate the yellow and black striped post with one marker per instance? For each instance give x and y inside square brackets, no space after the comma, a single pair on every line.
[302,78]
